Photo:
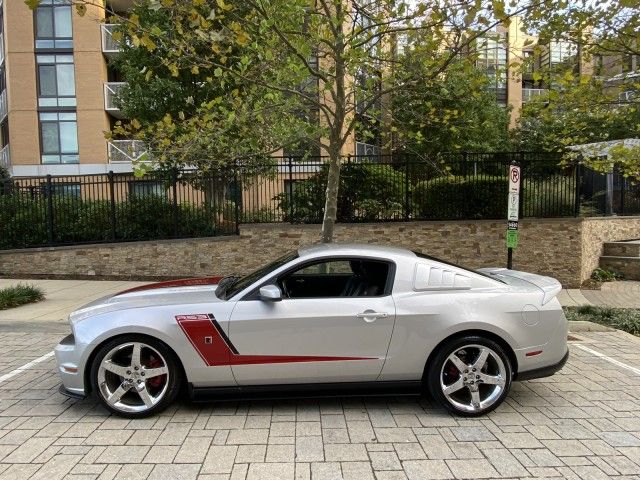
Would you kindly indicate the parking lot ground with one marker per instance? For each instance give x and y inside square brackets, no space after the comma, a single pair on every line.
[584,422]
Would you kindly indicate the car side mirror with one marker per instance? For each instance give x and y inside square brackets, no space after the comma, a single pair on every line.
[270,293]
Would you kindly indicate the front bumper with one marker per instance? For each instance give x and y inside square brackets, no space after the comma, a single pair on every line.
[70,366]
[543,371]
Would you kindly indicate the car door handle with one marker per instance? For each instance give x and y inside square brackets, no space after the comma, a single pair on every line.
[370,315]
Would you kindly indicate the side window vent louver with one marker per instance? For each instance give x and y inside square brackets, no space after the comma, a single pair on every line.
[428,277]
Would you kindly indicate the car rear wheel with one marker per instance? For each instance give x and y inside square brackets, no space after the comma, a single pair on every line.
[470,375]
[135,376]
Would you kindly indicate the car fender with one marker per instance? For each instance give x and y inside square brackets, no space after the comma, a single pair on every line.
[161,324]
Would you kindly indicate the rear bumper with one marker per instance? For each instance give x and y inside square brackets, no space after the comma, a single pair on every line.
[543,371]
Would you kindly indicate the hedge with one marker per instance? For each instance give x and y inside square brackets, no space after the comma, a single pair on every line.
[25,222]
[450,198]
[367,192]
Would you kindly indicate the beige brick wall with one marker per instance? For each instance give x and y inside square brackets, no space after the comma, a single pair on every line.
[21,84]
[91,73]
[597,231]
[555,247]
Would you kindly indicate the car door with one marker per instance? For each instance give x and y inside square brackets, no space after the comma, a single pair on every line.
[315,337]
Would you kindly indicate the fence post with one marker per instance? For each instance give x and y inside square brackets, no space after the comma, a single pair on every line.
[521,194]
[112,205]
[49,210]
[291,199]
[238,197]
[174,187]
[578,194]
[623,187]
[407,207]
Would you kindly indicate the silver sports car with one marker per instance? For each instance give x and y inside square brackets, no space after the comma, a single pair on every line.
[331,316]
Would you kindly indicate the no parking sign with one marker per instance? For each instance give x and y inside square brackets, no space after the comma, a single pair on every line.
[513,204]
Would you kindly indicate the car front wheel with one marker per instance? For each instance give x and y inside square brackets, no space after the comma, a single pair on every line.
[470,375]
[135,376]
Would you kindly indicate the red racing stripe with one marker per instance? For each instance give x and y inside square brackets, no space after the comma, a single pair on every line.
[203,332]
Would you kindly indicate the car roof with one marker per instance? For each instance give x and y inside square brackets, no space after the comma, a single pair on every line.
[355,249]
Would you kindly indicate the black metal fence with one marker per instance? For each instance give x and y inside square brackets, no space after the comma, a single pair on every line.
[38,211]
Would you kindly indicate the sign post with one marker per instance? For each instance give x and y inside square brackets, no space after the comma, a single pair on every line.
[513,204]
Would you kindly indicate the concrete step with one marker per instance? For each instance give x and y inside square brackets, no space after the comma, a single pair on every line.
[629,248]
[627,266]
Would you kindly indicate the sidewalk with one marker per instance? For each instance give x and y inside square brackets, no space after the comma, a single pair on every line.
[623,294]
[64,296]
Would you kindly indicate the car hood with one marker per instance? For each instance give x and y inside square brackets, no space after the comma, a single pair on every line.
[190,290]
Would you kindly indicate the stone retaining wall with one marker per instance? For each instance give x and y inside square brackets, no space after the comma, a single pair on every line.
[565,248]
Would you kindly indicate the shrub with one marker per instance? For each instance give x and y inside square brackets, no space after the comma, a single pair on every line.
[605,275]
[548,197]
[367,192]
[19,295]
[625,319]
[25,223]
[452,197]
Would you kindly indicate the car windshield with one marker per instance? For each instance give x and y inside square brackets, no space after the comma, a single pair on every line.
[229,289]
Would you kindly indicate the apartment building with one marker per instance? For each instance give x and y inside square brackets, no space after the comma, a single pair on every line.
[511,57]
[56,102]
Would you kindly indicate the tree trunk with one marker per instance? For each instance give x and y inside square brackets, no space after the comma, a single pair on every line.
[336,141]
[331,202]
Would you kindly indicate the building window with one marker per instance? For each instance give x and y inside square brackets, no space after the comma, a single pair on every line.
[53,24]
[492,57]
[4,134]
[560,52]
[59,137]
[71,190]
[147,188]
[56,81]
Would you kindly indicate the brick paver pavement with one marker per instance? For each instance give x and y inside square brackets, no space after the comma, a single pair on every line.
[584,422]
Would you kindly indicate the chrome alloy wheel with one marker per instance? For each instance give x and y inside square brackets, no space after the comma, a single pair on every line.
[473,378]
[133,377]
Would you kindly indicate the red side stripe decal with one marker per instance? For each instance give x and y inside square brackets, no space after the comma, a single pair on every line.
[203,331]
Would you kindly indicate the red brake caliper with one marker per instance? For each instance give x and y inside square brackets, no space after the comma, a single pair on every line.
[159,380]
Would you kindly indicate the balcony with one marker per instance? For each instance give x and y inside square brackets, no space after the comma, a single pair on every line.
[627,96]
[111,90]
[110,46]
[126,151]
[3,105]
[5,160]
[529,94]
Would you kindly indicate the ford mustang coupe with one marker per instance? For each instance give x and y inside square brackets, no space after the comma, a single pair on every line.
[330,316]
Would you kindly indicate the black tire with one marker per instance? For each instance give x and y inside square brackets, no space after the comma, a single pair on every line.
[440,360]
[173,381]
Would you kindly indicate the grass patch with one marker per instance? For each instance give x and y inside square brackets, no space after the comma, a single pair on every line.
[625,319]
[19,295]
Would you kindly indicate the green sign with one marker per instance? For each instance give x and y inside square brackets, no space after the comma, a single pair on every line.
[512,238]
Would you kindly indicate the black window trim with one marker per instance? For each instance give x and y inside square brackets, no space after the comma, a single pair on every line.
[52,7]
[52,108]
[388,290]
[57,121]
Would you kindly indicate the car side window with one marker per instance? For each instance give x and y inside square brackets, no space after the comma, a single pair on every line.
[351,277]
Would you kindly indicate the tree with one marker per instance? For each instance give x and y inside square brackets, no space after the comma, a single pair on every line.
[454,112]
[580,110]
[334,57]
[585,110]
